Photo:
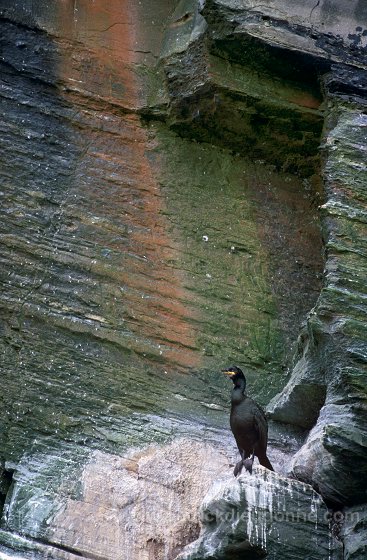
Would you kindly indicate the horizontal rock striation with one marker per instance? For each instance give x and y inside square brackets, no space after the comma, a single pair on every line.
[219,94]
[142,250]
[212,59]
[334,456]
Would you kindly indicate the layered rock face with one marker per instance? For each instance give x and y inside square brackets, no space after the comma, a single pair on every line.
[161,177]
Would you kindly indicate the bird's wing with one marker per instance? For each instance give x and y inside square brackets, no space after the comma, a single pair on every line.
[261,426]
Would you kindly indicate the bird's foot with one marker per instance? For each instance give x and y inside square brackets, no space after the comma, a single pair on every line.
[238,468]
[247,463]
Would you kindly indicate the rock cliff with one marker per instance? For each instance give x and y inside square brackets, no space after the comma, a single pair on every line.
[183,187]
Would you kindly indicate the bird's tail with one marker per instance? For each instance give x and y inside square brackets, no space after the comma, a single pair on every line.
[264,461]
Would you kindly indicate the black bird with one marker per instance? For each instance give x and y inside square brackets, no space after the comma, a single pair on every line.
[248,424]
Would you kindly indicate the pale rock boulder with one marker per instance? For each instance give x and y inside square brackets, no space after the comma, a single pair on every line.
[142,506]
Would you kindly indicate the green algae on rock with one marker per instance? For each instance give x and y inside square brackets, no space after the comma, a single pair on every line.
[215,205]
[337,329]
[216,99]
[124,237]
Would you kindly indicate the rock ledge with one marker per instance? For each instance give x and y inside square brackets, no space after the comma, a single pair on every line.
[264,514]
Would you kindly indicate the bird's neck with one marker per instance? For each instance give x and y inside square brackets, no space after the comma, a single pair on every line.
[238,391]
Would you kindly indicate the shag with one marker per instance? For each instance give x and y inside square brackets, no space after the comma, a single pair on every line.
[248,424]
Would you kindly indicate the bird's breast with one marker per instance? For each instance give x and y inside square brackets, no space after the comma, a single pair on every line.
[241,418]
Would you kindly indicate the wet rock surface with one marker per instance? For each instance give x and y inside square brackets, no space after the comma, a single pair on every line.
[333,345]
[354,532]
[342,422]
[160,181]
[263,516]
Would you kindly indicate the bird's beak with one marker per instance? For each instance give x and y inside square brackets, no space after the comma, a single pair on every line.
[226,372]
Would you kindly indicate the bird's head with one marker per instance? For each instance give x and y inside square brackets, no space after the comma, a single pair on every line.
[236,374]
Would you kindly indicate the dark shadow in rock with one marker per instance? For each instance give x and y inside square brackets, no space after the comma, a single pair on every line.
[6,480]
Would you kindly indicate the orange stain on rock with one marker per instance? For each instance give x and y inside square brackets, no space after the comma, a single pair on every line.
[104,49]
[306,100]
[169,294]
[107,31]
